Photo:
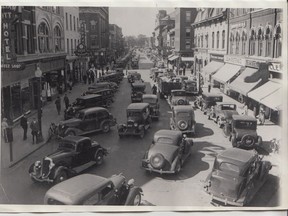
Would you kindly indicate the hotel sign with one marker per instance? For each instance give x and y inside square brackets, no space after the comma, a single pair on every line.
[234,60]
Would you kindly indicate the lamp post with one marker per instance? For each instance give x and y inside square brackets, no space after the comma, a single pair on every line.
[38,75]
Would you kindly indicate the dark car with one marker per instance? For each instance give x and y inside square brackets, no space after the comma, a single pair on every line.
[107,95]
[207,100]
[133,76]
[236,176]
[178,97]
[104,85]
[89,189]
[222,113]
[72,153]
[183,119]
[91,100]
[138,89]
[138,120]
[87,121]
[190,86]
[243,132]
[111,76]
[155,73]
[153,103]
[168,152]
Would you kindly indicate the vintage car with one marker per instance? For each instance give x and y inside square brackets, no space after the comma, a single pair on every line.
[72,154]
[111,77]
[104,85]
[130,75]
[155,74]
[107,94]
[87,121]
[91,100]
[222,113]
[89,189]
[167,84]
[183,119]
[190,86]
[138,120]
[236,176]
[138,89]
[243,132]
[168,152]
[153,103]
[207,100]
[178,97]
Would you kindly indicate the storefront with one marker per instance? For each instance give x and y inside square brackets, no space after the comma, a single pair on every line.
[217,61]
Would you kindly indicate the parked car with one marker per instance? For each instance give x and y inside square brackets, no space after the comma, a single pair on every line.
[138,120]
[138,89]
[207,100]
[243,132]
[153,103]
[89,189]
[104,85]
[237,175]
[87,121]
[222,113]
[111,77]
[168,152]
[83,102]
[167,84]
[183,119]
[72,153]
[107,94]
[178,97]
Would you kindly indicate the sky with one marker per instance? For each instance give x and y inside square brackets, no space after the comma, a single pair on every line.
[135,21]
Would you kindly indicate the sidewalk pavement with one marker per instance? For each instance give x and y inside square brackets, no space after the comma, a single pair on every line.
[23,148]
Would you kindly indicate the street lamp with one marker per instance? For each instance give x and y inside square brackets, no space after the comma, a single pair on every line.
[38,75]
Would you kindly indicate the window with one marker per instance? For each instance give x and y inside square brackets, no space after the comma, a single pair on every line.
[231,43]
[217,39]
[278,42]
[202,41]
[57,38]
[213,40]
[237,43]
[188,32]
[74,23]
[93,40]
[188,16]
[187,44]
[71,46]
[223,39]
[70,22]
[66,21]
[29,39]
[198,44]
[77,23]
[244,39]
[268,40]
[252,42]
[93,25]
[106,190]
[43,38]
[68,48]
[260,42]
[206,40]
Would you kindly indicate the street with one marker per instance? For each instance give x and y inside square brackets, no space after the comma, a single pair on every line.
[184,189]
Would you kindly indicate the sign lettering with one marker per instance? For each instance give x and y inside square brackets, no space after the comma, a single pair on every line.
[275,67]
[238,25]
[217,57]
[234,60]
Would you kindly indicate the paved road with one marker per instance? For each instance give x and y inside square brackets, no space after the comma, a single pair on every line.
[125,156]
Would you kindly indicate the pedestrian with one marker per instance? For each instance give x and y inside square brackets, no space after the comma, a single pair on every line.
[245,109]
[107,68]
[4,126]
[209,87]
[154,89]
[58,105]
[85,78]
[92,76]
[70,84]
[184,69]
[89,77]
[34,130]
[66,101]
[24,125]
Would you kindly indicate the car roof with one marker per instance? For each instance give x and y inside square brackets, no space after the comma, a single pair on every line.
[93,109]
[183,108]
[172,134]
[212,94]
[244,117]
[177,90]
[76,189]
[89,96]
[137,106]
[75,139]
[149,96]
[237,156]
[138,84]
[99,90]
[227,103]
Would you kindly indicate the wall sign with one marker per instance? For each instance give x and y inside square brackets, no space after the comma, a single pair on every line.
[238,25]
[234,60]
[275,67]
[215,57]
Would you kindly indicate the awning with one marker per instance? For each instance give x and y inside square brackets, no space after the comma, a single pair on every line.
[226,72]
[170,56]
[239,85]
[173,58]
[212,67]
[188,59]
[268,94]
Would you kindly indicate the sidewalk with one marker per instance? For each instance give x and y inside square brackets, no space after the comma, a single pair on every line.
[22,149]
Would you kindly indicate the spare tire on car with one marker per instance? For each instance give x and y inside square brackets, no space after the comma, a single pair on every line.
[182,125]
[248,140]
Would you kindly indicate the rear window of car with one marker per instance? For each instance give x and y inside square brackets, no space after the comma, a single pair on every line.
[228,167]
[250,125]
[228,107]
[165,140]
[66,145]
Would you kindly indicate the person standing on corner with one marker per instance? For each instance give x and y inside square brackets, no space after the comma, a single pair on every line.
[66,101]
[58,105]
[154,89]
[34,129]
[24,125]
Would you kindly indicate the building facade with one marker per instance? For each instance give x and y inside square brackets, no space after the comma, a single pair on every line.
[159,25]
[116,46]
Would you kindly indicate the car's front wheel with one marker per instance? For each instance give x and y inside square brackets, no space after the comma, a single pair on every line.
[137,199]
[99,158]
[105,127]
[62,176]
[70,133]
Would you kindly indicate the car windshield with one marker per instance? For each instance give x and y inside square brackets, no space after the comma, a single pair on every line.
[149,100]
[179,93]
[80,102]
[79,115]
[133,114]
[66,145]
[228,167]
[228,107]
[249,125]
[183,114]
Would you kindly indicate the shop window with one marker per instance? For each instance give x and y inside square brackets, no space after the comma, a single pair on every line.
[223,39]
[244,39]
[188,32]
[260,42]
[57,38]
[268,42]
[217,39]
[43,38]
[237,43]
[213,40]
[252,42]
[70,22]
[278,42]
[74,23]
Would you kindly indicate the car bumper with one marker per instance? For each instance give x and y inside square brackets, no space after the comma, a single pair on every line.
[149,168]
[41,179]
[226,201]
[183,131]
[129,131]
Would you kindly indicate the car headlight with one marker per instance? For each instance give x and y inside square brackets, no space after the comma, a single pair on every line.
[135,124]
[37,164]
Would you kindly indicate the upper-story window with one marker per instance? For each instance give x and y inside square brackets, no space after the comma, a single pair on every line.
[198,44]
[252,42]
[213,35]
[223,39]
[188,16]
[188,32]
[56,10]
[268,41]
[231,42]
[57,38]
[70,22]
[217,39]
[206,40]
[260,42]
[74,23]
[237,41]
[187,44]
[66,16]
[93,24]
[278,42]
[77,23]
[244,42]
[43,38]
[202,41]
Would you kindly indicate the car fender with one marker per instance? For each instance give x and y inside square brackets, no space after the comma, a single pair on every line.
[76,130]
[101,149]
[174,163]
[103,122]
[61,168]
[131,194]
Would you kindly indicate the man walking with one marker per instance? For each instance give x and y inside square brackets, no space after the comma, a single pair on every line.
[154,89]
[24,125]
[66,101]
[58,105]
[35,129]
